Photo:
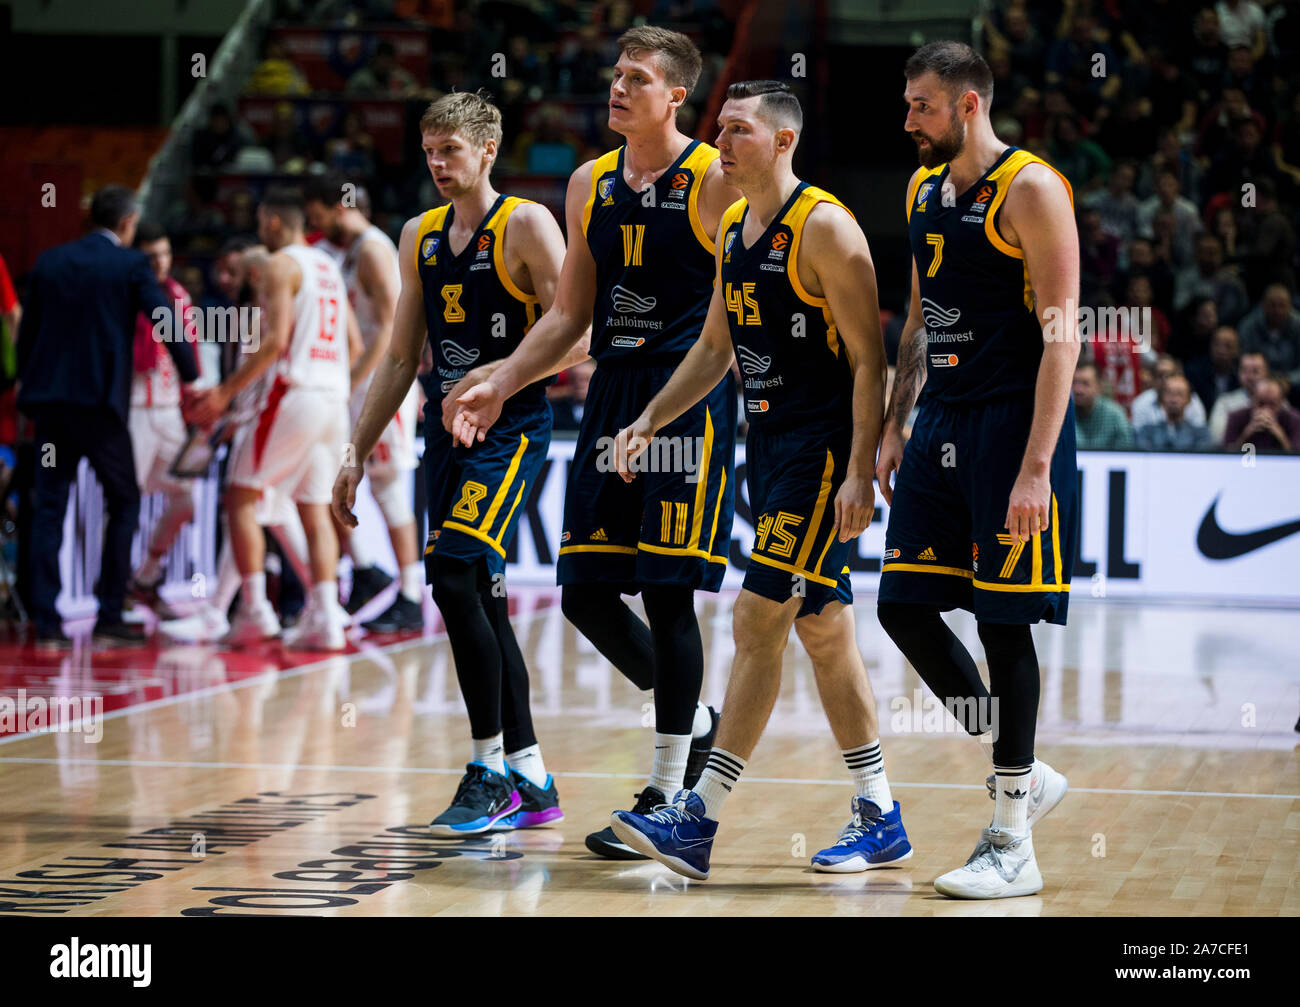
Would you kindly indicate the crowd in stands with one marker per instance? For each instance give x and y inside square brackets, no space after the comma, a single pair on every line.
[1178,126]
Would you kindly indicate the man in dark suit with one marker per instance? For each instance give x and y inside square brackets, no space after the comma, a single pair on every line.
[75,352]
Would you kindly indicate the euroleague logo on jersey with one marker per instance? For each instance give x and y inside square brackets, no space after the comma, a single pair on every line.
[780,241]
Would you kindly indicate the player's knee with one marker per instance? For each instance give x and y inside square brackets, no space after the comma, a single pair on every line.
[824,635]
[904,622]
[669,606]
[394,501]
[758,624]
[1003,641]
[581,602]
[453,584]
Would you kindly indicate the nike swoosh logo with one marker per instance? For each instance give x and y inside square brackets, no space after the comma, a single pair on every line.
[1215,543]
[682,842]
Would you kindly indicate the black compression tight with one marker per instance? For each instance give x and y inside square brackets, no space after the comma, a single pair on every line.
[946,666]
[491,671]
[667,655]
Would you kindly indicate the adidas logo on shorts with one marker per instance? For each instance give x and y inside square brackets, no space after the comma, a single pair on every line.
[599,535]
[927,553]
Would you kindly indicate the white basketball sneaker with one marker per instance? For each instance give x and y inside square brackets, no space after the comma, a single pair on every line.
[207,625]
[253,626]
[1002,867]
[319,630]
[1046,788]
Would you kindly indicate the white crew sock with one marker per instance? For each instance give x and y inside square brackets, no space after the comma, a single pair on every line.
[527,762]
[413,583]
[719,776]
[491,752]
[703,721]
[867,767]
[254,595]
[325,596]
[1011,799]
[671,752]
[227,579]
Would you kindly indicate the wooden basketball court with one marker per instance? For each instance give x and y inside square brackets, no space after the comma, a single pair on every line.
[253,783]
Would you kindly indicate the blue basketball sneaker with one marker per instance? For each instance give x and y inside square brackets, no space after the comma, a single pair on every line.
[482,799]
[871,840]
[677,835]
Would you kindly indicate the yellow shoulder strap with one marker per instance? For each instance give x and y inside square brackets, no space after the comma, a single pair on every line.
[498,224]
[607,162]
[794,218]
[698,161]
[1005,172]
[916,184]
[431,221]
[733,213]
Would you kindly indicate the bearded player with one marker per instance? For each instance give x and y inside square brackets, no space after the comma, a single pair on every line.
[983,512]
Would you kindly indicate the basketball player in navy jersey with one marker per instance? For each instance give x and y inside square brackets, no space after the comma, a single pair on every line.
[983,512]
[796,298]
[477,272]
[642,221]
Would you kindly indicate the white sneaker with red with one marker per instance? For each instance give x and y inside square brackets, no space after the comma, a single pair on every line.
[253,625]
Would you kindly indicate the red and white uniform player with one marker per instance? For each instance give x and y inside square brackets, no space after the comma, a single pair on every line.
[395,452]
[297,439]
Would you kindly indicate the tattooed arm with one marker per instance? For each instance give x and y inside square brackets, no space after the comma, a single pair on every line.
[909,376]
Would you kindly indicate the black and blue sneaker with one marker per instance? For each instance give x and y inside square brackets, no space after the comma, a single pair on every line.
[367,582]
[698,757]
[482,799]
[870,840]
[541,805]
[605,844]
[678,835]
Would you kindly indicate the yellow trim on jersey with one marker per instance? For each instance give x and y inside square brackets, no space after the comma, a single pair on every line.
[629,550]
[465,529]
[698,162]
[605,163]
[497,225]
[511,512]
[511,472]
[915,185]
[678,550]
[717,510]
[702,481]
[433,220]
[950,571]
[795,218]
[755,557]
[985,585]
[814,526]
[1056,542]
[1003,175]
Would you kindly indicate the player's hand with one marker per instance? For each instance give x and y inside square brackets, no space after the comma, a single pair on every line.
[890,458]
[345,495]
[631,442]
[206,407]
[854,505]
[476,411]
[475,377]
[1027,511]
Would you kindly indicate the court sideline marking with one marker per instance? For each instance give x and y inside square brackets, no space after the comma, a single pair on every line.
[460,771]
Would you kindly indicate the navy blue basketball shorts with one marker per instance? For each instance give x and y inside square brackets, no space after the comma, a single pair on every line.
[478,495]
[946,544]
[792,478]
[671,525]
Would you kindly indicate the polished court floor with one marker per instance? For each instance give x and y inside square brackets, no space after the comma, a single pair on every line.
[261,783]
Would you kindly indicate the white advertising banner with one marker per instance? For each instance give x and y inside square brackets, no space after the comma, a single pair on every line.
[1153,525]
[1207,526]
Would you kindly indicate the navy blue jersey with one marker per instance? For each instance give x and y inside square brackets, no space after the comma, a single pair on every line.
[794,368]
[473,309]
[983,339]
[654,261]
